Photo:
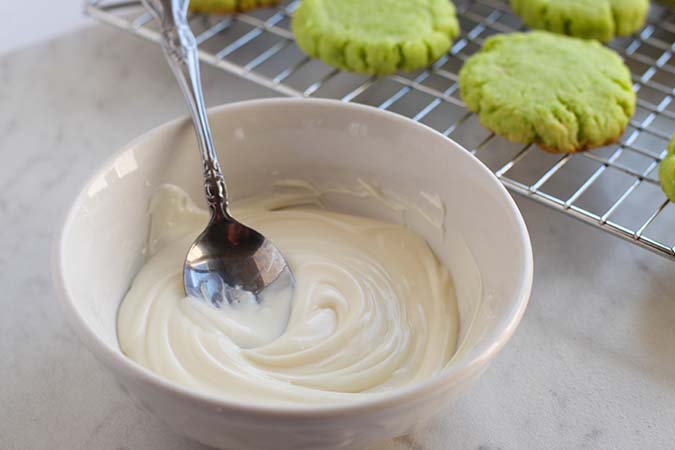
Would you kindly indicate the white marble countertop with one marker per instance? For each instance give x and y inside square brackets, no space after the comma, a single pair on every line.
[591,366]
[23,27]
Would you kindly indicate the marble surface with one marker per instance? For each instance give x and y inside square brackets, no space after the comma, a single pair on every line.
[23,27]
[591,366]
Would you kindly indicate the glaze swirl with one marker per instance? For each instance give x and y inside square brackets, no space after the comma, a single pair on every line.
[373,308]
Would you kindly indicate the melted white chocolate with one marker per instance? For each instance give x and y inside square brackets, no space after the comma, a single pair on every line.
[373,309]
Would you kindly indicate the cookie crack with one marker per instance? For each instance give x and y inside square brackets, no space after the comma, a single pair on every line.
[615,18]
[577,117]
[401,55]
[430,52]
[625,104]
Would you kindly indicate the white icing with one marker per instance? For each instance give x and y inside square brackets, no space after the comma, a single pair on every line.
[373,308]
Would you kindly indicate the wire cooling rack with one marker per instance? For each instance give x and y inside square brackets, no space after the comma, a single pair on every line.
[614,188]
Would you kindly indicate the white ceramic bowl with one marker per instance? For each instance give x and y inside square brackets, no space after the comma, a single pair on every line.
[100,250]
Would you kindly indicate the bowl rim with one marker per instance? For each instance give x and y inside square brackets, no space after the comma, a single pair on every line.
[116,360]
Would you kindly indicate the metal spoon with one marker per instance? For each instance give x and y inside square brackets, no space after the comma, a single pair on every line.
[229,262]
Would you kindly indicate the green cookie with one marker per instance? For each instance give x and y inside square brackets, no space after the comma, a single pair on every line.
[228,6]
[589,19]
[667,172]
[564,93]
[375,36]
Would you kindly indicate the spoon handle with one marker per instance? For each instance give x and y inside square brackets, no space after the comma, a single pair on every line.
[180,50]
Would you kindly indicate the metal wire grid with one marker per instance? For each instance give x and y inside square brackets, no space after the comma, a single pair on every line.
[614,188]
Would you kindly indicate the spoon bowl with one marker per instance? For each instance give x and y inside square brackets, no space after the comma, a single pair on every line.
[230,262]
